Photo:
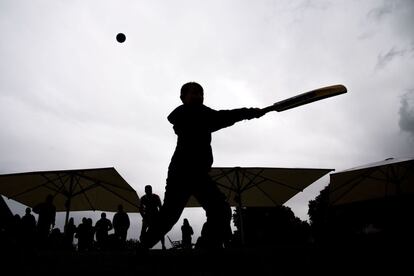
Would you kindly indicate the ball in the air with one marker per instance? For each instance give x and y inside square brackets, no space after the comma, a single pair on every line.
[120,37]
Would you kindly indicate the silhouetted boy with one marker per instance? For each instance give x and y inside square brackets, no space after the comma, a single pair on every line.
[188,172]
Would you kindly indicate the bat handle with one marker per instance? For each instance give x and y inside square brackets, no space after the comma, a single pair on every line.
[269,108]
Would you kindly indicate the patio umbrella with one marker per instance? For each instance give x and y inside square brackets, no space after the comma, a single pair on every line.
[384,179]
[73,190]
[5,213]
[261,187]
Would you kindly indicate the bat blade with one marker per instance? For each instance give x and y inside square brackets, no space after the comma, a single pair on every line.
[308,97]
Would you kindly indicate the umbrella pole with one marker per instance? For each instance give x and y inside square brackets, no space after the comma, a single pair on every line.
[68,201]
[66,218]
[239,202]
[241,221]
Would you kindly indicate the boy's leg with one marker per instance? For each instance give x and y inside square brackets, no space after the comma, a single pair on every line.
[218,212]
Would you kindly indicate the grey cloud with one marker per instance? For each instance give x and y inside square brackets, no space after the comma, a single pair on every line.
[407,112]
[397,16]
[382,11]
[314,5]
[383,60]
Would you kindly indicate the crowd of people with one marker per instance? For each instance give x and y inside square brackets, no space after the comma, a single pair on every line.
[28,232]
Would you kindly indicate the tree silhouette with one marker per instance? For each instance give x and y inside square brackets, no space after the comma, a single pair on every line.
[319,216]
[377,221]
[270,226]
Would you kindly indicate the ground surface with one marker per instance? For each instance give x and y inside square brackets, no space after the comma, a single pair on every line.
[265,261]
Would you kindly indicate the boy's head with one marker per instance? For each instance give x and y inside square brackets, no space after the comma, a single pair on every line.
[192,94]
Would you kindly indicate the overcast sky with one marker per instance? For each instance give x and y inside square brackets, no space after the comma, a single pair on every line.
[72,97]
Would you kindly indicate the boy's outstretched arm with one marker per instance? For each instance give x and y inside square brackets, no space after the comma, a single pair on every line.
[226,118]
[255,113]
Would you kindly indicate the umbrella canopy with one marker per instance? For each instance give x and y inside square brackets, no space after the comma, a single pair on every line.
[261,187]
[73,190]
[5,213]
[388,178]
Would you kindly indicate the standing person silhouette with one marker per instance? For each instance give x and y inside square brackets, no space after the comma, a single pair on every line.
[46,220]
[187,232]
[149,209]
[102,227]
[70,230]
[121,224]
[28,223]
[188,172]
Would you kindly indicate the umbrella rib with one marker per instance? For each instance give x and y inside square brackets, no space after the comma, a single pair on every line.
[381,179]
[229,189]
[279,183]
[250,184]
[394,179]
[100,180]
[226,175]
[254,180]
[407,171]
[232,187]
[84,189]
[58,189]
[366,175]
[82,192]
[118,195]
[395,171]
[268,196]
[350,180]
[36,187]
[260,189]
[98,183]
[29,190]
[390,177]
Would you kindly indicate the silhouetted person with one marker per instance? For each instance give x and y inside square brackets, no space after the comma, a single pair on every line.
[15,230]
[83,235]
[90,234]
[121,224]
[69,233]
[102,227]
[28,224]
[187,232]
[56,239]
[149,209]
[188,172]
[46,220]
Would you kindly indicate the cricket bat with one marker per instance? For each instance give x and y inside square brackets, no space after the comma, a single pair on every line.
[307,97]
